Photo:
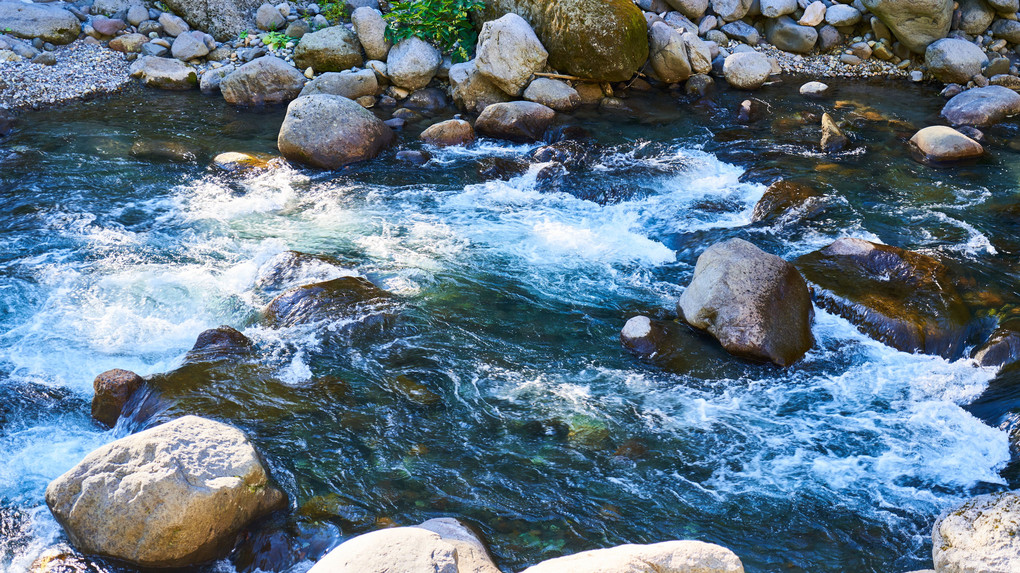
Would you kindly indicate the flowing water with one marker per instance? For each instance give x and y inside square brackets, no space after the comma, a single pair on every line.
[502,394]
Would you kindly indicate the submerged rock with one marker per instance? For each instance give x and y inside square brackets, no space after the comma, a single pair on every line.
[784,198]
[756,304]
[520,121]
[218,343]
[172,151]
[604,40]
[982,535]
[666,557]
[1002,348]
[980,107]
[900,298]
[436,546]
[939,143]
[64,559]
[171,496]
[113,388]
[330,131]
[341,298]
[236,162]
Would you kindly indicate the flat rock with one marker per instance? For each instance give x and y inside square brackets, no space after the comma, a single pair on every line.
[164,73]
[349,84]
[939,143]
[666,557]
[46,22]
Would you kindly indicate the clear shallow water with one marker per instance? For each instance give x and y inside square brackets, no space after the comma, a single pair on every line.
[546,434]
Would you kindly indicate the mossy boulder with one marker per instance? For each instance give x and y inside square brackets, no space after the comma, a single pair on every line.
[904,299]
[604,40]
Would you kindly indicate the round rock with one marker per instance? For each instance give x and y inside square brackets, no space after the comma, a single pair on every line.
[746,70]
[330,131]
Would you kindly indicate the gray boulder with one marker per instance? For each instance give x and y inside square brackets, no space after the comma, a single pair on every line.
[212,78]
[790,36]
[842,15]
[1008,30]
[171,496]
[1005,6]
[413,63]
[164,73]
[436,546]
[330,131]
[975,16]
[742,31]
[746,70]
[109,7]
[509,53]
[915,23]
[190,45]
[666,557]
[692,9]
[520,121]
[982,535]
[552,93]
[756,304]
[267,17]
[48,23]
[173,25]
[471,90]
[449,132]
[944,144]
[349,84]
[332,49]
[224,19]
[667,54]
[730,10]
[952,60]
[777,8]
[699,54]
[981,107]
[136,14]
[266,80]
[371,30]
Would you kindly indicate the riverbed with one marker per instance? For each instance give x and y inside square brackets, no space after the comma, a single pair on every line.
[502,394]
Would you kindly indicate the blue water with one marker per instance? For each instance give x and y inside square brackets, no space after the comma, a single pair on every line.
[546,434]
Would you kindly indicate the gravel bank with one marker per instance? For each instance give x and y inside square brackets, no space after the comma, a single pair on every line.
[823,66]
[81,71]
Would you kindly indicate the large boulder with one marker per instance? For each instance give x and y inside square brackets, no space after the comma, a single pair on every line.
[471,90]
[520,121]
[224,19]
[164,73]
[171,496]
[449,132]
[332,49]
[746,70]
[777,8]
[555,94]
[939,143]
[1002,348]
[330,131]
[509,53]
[980,536]
[784,200]
[436,546]
[756,304]
[266,80]
[981,107]
[371,30]
[412,63]
[48,23]
[952,60]
[666,557]
[900,298]
[790,36]
[915,23]
[975,16]
[604,40]
[350,85]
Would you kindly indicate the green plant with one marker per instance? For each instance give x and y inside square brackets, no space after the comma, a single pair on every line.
[336,12]
[277,40]
[444,23]
[244,35]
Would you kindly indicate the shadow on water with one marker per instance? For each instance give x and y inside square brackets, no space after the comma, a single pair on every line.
[501,393]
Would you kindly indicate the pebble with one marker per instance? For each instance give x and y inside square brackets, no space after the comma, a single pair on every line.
[81,70]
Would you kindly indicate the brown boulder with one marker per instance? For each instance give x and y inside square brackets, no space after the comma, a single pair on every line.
[113,388]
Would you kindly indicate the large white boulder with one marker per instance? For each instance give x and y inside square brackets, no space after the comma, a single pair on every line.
[170,496]
[980,536]
[666,557]
[509,53]
[412,63]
